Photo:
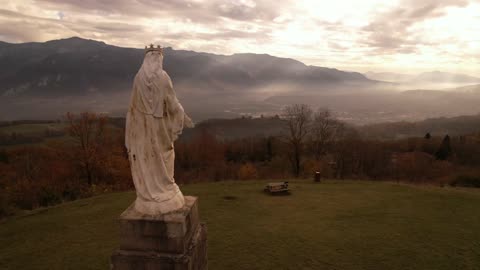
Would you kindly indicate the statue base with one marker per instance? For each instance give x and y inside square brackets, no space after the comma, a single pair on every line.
[175,240]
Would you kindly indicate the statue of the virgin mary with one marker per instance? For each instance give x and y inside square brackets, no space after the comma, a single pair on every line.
[155,119]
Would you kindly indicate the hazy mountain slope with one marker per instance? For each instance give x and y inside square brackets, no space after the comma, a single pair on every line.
[423,80]
[369,107]
[43,80]
[440,80]
[76,66]
[389,76]
[468,89]
[65,67]
[444,77]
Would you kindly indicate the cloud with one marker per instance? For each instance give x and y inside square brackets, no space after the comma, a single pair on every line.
[391,32]
[57,28]
[30,26]
[193,10]
[60,15]
[116,27]
[338,33]
[184,24]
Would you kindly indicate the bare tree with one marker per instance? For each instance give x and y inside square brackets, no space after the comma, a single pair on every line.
[346,150]
[298,118]
[88,129]
[323,131]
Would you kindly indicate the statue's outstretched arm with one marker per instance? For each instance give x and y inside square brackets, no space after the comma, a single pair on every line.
[174,107]
[187,122]
[178,119]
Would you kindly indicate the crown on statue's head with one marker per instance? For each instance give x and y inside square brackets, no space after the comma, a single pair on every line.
[152,48]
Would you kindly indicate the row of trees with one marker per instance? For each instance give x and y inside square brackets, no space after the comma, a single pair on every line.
[319,136]
[92,158]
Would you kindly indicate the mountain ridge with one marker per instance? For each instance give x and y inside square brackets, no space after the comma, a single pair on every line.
[46,80]
[431,77]
[79,74]
[96,59]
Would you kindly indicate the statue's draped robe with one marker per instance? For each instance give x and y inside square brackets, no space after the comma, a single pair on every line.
[155,119]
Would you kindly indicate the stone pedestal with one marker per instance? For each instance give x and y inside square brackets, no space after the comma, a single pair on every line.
[174,241]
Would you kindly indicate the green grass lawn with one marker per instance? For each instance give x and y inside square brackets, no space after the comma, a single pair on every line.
[332,225]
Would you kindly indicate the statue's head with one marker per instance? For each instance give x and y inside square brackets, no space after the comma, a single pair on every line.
[151,48]
[153,58]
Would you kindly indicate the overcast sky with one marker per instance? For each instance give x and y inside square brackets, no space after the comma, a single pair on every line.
[362,35]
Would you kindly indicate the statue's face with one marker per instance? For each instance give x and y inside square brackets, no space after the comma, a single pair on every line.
[156,56]
[153,61]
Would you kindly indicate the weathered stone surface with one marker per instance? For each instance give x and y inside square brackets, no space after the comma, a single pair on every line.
[175,240]
[169,232]
[155,119]
[195,257]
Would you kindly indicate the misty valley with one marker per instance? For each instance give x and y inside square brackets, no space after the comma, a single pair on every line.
[43,81]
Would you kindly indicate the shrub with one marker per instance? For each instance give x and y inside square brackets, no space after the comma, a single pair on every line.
[5,207]
[310,166]
[247,171]
[3,156]
[48,196]
[24,194]
[466,181]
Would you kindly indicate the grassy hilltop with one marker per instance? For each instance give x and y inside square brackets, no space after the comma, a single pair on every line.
[332,225]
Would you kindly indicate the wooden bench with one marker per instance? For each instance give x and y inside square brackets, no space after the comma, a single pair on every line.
[277,187]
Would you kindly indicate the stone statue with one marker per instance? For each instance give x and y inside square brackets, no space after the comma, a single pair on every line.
[155,119]
[161,229]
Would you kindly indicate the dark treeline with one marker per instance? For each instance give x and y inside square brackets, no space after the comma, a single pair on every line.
[16,138]
[456,126]
[91,159]
[22,122]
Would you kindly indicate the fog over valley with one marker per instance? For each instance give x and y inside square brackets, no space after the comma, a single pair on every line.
[45,80]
